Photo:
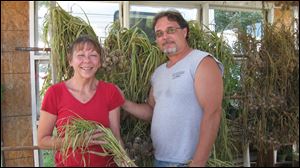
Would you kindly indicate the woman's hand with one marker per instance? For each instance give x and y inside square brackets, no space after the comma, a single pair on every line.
[96,138]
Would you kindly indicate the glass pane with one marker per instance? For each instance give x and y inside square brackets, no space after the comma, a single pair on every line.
[187,13]
[143,16]
[231,22]
[41,72]
[99,14]
[41,9]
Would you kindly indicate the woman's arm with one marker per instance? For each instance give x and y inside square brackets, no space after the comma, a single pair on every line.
[45,128]
[114,119]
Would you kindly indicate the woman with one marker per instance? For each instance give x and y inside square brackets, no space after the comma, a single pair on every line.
[82,95]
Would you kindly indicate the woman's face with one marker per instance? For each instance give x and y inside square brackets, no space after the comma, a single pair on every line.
[85,61]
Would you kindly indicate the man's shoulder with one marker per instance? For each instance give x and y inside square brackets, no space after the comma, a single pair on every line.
[161,67]
[197,52]
[159,70]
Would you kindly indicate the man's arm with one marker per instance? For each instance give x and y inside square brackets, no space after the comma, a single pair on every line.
[142,111]
[209,91]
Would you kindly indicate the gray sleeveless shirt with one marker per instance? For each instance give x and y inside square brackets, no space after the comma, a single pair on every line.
[177,114]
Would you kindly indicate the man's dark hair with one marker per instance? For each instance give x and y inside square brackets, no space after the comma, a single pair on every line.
[172,15]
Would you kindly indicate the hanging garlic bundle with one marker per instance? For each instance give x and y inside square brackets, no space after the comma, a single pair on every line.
[77,135]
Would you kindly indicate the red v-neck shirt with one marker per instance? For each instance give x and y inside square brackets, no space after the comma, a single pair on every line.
[59,101]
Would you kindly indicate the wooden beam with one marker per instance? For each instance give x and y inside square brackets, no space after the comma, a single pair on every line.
[32,49]
[18,148]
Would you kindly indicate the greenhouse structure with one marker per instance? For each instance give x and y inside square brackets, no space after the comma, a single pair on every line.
[256,41]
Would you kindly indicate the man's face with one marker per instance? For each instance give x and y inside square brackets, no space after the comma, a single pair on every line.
[170,38]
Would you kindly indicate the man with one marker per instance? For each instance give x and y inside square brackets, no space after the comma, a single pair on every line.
[185,99]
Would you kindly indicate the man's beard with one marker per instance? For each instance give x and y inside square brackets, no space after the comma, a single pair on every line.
[170,51]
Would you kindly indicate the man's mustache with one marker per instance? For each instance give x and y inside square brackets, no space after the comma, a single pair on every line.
[168,42]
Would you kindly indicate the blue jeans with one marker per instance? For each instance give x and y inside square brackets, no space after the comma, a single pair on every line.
[159,163]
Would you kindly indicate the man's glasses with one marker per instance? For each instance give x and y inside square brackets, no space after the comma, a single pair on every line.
[170,30]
